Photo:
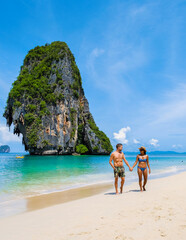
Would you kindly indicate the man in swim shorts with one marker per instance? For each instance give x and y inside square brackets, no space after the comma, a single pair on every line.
[119,170]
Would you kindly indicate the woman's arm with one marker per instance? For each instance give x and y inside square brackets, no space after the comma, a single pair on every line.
[135,162]
[148,164]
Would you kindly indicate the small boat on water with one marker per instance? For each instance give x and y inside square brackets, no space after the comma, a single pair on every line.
[75,154]
[19,156]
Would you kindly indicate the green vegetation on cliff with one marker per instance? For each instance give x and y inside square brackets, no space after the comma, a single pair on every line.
[33,83]
[105,141]
[81,148]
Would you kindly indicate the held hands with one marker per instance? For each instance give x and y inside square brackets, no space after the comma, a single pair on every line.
[131,169]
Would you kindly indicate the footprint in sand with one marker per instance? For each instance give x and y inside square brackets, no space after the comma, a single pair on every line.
[143,209]
[120,237]
[81,233]
[166,198]
[162,234]
[157,208]
[170,212]
[157,218]
[183,226]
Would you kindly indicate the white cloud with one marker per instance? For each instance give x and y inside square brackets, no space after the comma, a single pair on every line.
[136,141]
[134,58]
[177,146]
[121,135]
[6,136]
[138,11]
[174,108]
[96,52]
[154,142]
[92,69]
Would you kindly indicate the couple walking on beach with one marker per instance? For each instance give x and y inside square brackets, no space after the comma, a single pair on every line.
[119,171]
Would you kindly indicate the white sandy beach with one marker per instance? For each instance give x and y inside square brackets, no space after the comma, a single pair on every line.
[158,213]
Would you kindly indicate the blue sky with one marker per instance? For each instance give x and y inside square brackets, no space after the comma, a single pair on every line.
[131,55]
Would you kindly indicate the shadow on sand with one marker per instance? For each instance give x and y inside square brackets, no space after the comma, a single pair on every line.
[134,190]
[111,193]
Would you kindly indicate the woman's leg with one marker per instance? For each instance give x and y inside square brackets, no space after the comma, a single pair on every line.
[140,178]
[145,175]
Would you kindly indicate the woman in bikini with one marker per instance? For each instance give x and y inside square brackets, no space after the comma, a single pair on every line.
[143,160]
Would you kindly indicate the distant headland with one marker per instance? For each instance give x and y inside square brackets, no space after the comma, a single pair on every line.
[47,105]
[4,149]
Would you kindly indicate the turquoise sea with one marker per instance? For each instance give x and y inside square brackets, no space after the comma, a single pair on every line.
[35,175]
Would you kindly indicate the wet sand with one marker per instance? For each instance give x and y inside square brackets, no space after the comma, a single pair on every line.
[45,200]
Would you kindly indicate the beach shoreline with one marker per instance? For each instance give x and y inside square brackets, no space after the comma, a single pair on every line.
[34,176]
[44,200]
[157,213]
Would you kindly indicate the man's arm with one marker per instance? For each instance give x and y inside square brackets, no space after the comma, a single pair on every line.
[135,162]
[126,162]
[111,159]
[148,164]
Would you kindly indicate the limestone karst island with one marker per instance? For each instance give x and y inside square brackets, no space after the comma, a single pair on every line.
[47,105]
[4,149]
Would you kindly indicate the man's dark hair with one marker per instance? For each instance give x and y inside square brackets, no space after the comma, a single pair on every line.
[118,145]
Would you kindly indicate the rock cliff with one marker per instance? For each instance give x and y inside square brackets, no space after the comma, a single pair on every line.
[47,105]
[4,149]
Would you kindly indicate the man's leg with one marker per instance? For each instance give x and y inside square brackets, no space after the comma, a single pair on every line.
[122,183]
[116,184]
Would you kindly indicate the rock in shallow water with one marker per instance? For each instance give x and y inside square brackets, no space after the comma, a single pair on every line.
[4,149]
[47,105]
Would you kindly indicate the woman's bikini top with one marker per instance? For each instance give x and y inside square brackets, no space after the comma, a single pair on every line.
[142,160]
